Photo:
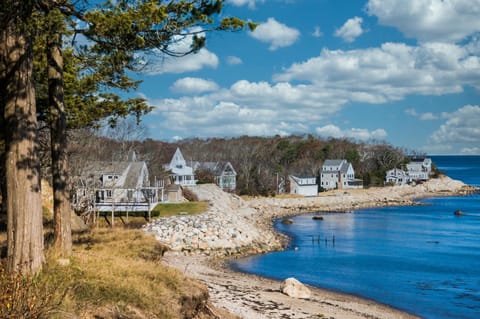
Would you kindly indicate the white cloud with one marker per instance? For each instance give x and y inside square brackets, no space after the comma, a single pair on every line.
[354,133]
[462,127]
[250,3]
[389,73]
[193,85]
[192,62]
[429,20]
[157,62]
[317,33]
[234,60]
[277,34]
[423,116]
[351,30]
[470,151]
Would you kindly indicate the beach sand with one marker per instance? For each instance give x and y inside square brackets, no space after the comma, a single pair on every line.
[255,297]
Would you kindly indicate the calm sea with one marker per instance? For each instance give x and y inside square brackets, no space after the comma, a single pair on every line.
[422,259]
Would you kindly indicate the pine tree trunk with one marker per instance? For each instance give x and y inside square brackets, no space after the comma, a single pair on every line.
[58,132]
[22,169]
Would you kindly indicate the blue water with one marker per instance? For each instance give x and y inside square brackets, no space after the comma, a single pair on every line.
[422,259]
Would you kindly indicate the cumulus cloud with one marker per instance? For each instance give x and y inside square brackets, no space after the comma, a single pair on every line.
[390,72]
[351,30]
[354,133]
[158,63]
[429,20]
[234,60]
[277,34]
[193,85]
[461,128]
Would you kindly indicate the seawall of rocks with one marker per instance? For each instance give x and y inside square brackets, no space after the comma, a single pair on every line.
[234,226]
[230,226]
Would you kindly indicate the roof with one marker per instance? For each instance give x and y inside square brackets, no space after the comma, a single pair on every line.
[341,163]
[298,178]
[217,168]
[133,174]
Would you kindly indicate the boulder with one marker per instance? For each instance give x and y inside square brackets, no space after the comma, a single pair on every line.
[458,212]
[287,221]
[295,289]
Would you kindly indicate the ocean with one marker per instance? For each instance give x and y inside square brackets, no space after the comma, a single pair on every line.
[420,259]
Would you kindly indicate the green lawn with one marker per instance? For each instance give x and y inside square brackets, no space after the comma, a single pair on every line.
[173,209]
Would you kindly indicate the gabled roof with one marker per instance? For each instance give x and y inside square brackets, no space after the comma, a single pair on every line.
[133,175]
[341,164]
[93,171]
[335,162]
[217,168]
[297,179]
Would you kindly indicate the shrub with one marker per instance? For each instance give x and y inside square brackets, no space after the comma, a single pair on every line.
[36,296]
[189,195]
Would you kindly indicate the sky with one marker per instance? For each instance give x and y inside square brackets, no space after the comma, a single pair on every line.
[406,72]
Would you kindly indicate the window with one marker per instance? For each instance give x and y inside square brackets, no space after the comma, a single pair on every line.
[109,194]
[109,177]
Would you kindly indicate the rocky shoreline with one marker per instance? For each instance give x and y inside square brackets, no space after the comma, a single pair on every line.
[234,227]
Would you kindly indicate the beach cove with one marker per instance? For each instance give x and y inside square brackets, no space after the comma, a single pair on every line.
[233,227]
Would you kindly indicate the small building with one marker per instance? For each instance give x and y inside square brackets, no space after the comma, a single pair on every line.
[419,169]
[303,185]
[396,176]
[338,174]
[180,173]
[223,173]
[116,186]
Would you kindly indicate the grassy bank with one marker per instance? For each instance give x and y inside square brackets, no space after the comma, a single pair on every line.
[114,273]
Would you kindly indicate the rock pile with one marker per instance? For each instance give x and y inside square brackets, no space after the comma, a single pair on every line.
[228,227]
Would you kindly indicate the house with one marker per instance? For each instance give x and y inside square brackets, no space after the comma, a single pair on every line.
[224,174]
[303,185]
[338,174]
[396,176]
[180,173]
[419,169]
[116,186]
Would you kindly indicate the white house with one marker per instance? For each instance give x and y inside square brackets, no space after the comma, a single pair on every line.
[224,174]
[303,185]
[338,174]
[180,173]
[116,186]
[396,176]
[419,169]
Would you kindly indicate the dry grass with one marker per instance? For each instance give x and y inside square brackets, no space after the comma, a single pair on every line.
[119,271]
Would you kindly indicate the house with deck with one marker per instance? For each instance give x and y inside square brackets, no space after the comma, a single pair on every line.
[116,186]
[338,174]
[223,173]
[303,185]
[180,173]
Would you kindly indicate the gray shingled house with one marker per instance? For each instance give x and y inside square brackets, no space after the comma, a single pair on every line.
[117,186]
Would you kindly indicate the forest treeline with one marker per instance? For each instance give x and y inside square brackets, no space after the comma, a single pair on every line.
[260,162]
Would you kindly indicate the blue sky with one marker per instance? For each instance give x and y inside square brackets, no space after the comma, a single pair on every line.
[402,71]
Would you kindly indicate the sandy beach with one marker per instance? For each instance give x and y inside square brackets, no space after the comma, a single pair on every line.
[254,297]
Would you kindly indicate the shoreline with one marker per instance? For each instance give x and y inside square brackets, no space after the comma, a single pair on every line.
[252,296]
[256,297]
